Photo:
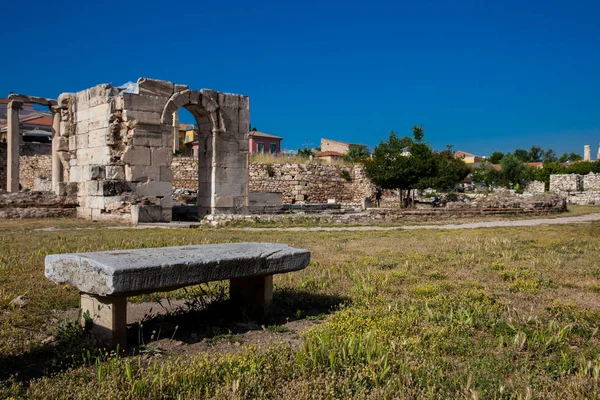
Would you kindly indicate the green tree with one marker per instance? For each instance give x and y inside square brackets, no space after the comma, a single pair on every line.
[401,163]
[514,173]
[304,153]
[550,156]
[449,171]
[486,175]
[564,158]
[535,154]
[357,153]
[575,157]
[496,157]
[521,154]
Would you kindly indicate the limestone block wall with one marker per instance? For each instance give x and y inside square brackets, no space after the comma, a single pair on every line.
[566,183]
[591,181]
[118,142]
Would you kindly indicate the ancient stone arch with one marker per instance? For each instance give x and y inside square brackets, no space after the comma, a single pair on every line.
[118,144]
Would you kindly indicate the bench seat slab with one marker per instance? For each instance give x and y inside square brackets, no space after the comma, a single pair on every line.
[138,271]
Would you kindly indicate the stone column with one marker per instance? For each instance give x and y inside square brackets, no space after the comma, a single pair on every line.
[12,146]
[598,155]
[175,131]
[586,152]
[57,167]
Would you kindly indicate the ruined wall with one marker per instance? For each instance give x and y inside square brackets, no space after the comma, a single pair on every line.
[535,187]
[566,183]
[578,189]
[185,172]
[591,181]
[35,161]
[313,183]
[32,168]
[118,144]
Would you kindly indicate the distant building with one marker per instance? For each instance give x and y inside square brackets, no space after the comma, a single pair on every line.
[328,145]
[328,156]
[34,127]
[470,159]
[264,143]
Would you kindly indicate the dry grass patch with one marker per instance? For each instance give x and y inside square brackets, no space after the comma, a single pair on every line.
[487,313]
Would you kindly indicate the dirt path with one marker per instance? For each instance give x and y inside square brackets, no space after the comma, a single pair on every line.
[587,218]
[472,225]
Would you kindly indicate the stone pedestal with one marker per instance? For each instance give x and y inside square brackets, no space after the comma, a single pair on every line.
[254,295]
[109,318]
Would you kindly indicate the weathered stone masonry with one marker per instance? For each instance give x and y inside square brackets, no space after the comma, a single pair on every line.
[118,146]
[313,183]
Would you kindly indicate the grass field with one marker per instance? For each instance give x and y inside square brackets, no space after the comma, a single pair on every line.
[509,313]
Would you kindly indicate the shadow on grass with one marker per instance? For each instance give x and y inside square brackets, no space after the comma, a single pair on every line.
[194,322]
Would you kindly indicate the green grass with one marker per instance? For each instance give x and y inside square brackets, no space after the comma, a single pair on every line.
[510,313]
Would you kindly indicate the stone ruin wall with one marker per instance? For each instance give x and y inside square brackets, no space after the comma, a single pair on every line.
[591,181]
[566,183]
[312,183]
[118,146]
[578,189]
[535,187]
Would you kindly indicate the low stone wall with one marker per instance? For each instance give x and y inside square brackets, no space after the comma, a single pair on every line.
[584,198]
[535,187]
[313,183]
[591,181]
[29,204]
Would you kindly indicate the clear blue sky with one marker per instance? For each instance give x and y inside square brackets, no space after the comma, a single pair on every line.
[481,75]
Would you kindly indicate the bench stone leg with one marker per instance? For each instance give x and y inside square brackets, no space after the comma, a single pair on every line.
[109,317]
[254,294]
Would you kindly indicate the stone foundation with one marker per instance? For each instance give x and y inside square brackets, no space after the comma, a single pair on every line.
[28,204]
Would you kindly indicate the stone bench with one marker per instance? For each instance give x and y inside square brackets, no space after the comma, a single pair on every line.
[105,279]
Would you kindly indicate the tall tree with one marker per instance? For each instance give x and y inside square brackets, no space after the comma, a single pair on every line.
[564,158]
[357,153]
[535,154]
[522,155]
[575,157]
[496,157]
[400,163]
[550,156]
[449,171]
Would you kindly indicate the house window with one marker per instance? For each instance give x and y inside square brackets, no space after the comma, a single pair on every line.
[261,147]
[273,147]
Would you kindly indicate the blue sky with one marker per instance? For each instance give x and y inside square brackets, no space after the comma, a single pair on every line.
[481,75]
